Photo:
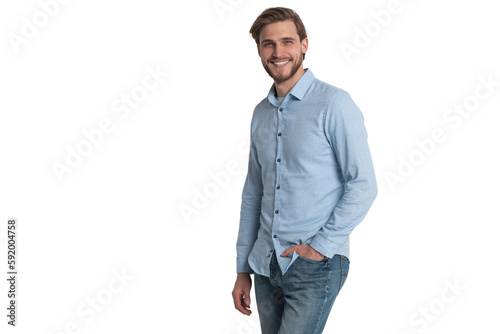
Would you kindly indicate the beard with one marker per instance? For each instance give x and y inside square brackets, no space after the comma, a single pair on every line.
[278,78]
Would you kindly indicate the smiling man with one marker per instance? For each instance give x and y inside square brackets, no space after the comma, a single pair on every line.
[310,181]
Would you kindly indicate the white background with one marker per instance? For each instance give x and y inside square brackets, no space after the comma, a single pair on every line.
[120,208]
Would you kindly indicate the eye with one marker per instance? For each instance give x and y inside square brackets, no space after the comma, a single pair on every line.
[267,43]
[288,42]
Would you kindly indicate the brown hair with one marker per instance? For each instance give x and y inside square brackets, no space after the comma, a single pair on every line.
[277,14]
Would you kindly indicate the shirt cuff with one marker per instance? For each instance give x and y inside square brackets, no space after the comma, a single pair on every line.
[324,246]
[242,266]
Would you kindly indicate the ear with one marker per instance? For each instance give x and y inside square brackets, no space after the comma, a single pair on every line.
[305,45]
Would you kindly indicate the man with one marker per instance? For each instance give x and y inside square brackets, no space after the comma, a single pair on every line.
[310,181]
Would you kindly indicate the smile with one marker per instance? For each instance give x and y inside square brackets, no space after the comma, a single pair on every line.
[281,63]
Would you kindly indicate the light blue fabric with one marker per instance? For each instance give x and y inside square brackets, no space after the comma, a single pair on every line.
[310,176]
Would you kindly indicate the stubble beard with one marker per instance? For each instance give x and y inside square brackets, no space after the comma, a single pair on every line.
[283,77]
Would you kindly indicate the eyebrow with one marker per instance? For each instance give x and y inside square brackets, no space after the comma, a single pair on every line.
[283,39]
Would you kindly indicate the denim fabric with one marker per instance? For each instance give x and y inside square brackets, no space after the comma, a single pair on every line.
[310,177]
[299,301]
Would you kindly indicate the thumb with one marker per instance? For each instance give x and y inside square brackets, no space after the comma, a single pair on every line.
[246,298]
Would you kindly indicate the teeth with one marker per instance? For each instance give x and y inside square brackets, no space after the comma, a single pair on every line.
[281,63]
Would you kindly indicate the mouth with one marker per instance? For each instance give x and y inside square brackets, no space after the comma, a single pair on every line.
[280,63]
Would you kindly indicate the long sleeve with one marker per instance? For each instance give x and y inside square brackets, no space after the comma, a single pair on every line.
[310,176]
[250,211]
[346,133]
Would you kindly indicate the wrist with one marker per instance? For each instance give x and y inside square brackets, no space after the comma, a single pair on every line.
[316,251]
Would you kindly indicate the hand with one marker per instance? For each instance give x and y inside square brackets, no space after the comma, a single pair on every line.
[304,251]
[241,293]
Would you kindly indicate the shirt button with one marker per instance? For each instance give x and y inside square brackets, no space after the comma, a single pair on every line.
[275,236]
[268,255]
[281,109]
[277,211]
[278,160]
[279,134]
[277,187]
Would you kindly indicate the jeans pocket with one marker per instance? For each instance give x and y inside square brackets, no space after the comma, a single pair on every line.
[311,260]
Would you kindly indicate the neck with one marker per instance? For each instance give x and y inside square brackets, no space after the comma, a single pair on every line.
[282,88]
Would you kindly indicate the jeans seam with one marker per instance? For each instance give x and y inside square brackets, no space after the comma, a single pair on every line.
[341,272]
[341,282]
[326,298]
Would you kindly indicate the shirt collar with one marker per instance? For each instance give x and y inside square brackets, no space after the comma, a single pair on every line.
[298,90]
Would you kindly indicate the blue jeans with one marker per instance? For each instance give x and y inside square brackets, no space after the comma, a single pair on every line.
[300,301]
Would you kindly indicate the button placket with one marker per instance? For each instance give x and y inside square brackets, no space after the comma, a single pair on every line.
[279,168]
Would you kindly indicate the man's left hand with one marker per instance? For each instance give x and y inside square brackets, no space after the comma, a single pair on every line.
[304,251]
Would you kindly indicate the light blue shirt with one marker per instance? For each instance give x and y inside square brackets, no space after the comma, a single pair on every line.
[310,176]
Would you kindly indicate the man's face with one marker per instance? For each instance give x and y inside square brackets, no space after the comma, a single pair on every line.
[281,50]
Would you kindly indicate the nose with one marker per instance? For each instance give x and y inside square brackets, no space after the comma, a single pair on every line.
[278,51]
